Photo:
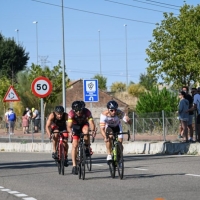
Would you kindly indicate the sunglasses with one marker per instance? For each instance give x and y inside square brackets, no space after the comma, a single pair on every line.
[111,110]
[78,110]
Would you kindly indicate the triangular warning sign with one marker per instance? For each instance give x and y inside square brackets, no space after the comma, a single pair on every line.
[11,95]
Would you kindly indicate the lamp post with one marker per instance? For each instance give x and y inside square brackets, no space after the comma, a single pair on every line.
[100,49]
[35,22]
[63,63]
[17,30]
[126,57]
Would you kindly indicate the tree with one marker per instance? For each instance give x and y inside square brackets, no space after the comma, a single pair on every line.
[118,87]
[147,81]
[13,57]
[174,55]
[157,100]
[101,81]
[136,89]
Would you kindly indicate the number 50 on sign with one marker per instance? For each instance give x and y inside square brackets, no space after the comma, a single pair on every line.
[41,87]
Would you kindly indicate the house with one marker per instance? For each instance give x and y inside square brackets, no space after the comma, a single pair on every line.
[75,92]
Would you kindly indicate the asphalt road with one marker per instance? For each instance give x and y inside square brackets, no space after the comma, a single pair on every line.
[34,176]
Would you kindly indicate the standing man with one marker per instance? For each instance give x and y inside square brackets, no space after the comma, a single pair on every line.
[191,113]
[6,120]
[36,119]
[11,120]
[79,121]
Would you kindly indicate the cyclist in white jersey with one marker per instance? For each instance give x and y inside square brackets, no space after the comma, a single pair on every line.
[110,122]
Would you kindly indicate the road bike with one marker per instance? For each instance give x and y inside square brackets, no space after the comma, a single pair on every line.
[82,158]
[117,161]
[60,151]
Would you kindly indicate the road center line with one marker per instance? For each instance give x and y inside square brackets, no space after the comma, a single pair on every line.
[192,175]
[140,169]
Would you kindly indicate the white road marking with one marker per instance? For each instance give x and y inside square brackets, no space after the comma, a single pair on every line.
[13,192]
[1,187]
[20,195]
[97,164]
[29,198]
[192,175]
[140,169]
[5,190]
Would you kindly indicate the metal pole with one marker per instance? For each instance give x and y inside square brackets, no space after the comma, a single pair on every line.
[100,50]
[63,63]
[126,57]
[36,22]
[133,126]
[17,30]
[163,117]
[42,119]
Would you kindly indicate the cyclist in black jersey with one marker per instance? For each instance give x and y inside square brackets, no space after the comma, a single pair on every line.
[57,121]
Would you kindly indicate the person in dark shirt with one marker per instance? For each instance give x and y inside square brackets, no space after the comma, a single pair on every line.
[57,121]
[191,113]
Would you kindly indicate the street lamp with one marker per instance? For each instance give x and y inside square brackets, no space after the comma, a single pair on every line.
[17,30]
[100,50]
[35,22]
[126,57]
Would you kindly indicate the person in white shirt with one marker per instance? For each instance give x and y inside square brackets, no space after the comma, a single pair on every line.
[110,122]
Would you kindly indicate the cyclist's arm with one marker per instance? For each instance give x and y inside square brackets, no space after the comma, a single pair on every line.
[66,119]
[102,126]
[92,126]
[48,124]
[69,125]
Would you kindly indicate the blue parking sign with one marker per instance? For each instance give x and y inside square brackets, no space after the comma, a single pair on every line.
[90,90]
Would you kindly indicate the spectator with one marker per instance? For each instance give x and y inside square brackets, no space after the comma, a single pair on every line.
[36,119]
[25,122]
[11,117]
[183,114]
[6,120]
[196,106]
[191,113]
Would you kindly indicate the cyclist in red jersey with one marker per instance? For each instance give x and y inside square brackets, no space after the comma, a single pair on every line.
[57,122]
[79,121]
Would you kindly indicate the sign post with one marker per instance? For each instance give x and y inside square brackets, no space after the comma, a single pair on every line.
[90,91]
[41,87]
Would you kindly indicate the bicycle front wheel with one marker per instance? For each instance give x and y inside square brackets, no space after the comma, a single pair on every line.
[83,161]
[62,159]
[120,161]
[89,162]
[112,168]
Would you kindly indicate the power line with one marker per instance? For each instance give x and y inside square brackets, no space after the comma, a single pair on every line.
[163,3]
[155,4]
[94,13]
[136,6]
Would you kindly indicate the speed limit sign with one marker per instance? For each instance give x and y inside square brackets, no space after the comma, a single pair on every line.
[41,87]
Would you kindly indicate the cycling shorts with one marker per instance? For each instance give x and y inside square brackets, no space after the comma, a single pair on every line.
[55,128]
[77,130]
[115,129]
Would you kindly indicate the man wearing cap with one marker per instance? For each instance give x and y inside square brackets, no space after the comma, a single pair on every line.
[6,120]
[36,119]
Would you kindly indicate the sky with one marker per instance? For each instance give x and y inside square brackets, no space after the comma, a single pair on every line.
[100,36]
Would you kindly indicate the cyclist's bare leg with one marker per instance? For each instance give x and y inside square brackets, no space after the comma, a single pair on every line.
[109,145]
[55,141]
[120,140]
[66,147]
[85,130]
[74,151]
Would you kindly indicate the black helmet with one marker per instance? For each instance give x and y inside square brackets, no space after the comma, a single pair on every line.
[59,109]
[77,106]
[83,104]
[112,105]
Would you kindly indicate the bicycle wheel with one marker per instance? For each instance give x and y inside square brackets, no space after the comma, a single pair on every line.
[79,162]
[112,168]
[58,160]
[62,159]
[83,160]
[120,161]
[89,162]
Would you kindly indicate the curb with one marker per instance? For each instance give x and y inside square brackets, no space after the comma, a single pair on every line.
[99,148]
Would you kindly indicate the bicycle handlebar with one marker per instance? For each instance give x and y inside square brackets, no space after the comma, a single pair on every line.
[82,135]
[118,133]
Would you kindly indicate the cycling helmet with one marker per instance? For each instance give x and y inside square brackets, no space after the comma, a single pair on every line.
[77,106]
[112,105]
[83,104]
[59,109]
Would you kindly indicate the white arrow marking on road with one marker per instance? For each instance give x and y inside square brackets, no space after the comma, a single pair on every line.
[140,169]
[192,175]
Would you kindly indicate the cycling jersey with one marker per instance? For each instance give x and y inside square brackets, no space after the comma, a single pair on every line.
[84,117]
[61,124]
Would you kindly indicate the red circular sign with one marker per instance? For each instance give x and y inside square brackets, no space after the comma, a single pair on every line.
[41,87]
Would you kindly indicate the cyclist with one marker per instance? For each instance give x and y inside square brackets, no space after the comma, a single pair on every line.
[110,122]
[79,121]
[57,122]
